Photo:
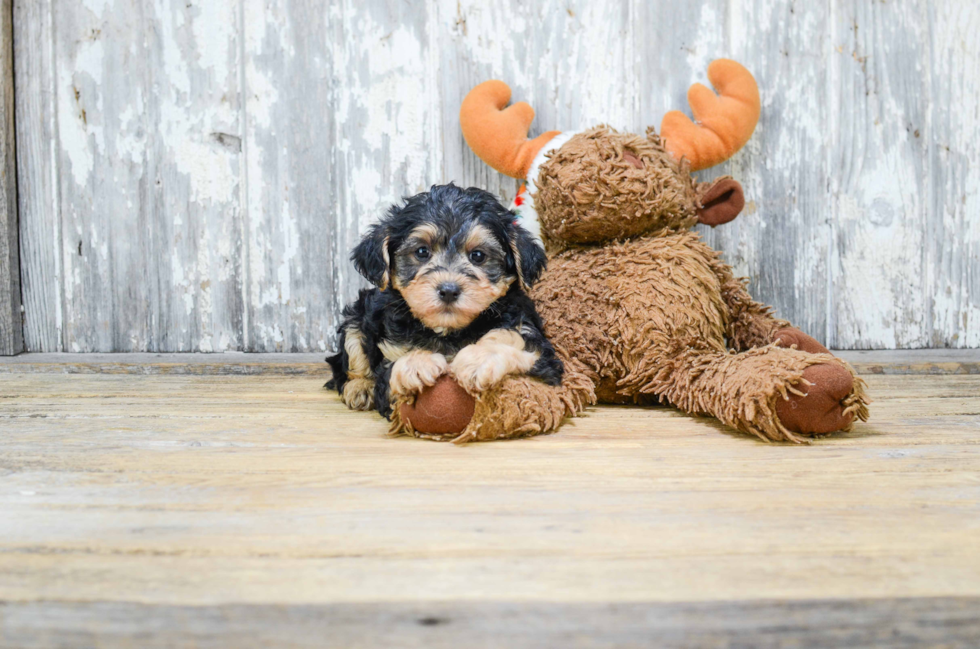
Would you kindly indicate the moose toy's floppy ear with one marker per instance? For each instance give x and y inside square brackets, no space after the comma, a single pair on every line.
[529,257]
[721,202]
[371,257]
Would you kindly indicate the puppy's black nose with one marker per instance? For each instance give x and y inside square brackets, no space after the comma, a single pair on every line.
[449,292]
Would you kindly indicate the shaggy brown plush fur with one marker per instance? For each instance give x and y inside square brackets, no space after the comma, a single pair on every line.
[640,309]
[657,316]
[593,194]
[517,407]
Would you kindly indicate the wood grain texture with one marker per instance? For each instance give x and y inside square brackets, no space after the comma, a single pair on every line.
[903,362]
[948,622]
[37,176]
[11,320]
[881,195]
[953,145]
[292,289]
[100,66]
[148,163]
[134,505]
[231,153]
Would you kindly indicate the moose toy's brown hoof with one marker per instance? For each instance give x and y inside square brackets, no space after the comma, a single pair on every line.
[789,336]
[440,409]
[821,409]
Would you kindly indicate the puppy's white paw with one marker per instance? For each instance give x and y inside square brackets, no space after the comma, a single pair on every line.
[416,370]
[479,367]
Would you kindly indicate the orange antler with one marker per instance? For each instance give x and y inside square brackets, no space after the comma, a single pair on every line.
[724,123]
[497,134]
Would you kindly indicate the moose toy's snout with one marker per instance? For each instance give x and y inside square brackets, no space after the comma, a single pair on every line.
[721,203]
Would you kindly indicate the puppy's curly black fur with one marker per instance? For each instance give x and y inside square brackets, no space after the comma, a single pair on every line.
[450,266]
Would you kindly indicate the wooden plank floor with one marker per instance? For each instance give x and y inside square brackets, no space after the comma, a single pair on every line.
[213,510]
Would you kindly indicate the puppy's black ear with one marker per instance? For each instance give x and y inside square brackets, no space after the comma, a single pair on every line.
[371,258]
[529,257]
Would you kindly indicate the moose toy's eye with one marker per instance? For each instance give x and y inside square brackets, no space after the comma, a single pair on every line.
[478,257]
[422,253]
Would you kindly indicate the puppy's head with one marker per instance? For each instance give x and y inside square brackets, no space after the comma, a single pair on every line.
[451,253]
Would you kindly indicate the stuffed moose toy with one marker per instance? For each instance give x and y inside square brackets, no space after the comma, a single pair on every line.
[639,309]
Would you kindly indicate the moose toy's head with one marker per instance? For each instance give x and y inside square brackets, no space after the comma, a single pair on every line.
[598,185]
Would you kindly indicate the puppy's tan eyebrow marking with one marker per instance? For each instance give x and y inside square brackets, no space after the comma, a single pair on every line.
[426,232]
[480,236]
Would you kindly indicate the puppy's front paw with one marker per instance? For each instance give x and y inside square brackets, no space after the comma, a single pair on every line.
[416,370]
[358,394]
[481,366]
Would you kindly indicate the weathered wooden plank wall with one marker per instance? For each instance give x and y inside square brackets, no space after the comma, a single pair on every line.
[193,173]
[11,321]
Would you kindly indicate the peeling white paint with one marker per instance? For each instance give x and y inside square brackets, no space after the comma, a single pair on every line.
[210,172]
[863,176]
[80,140]
[97,7]
[291,241]
[262,97]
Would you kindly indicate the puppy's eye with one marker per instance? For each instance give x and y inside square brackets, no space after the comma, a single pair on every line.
[478,257]
[422,253]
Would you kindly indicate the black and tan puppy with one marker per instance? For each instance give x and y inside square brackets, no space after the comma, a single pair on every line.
[451,267]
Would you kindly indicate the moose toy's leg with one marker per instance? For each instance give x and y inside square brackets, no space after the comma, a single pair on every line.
[793,337]
[752,324]
[517,407]
[775,393]
[520,407]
